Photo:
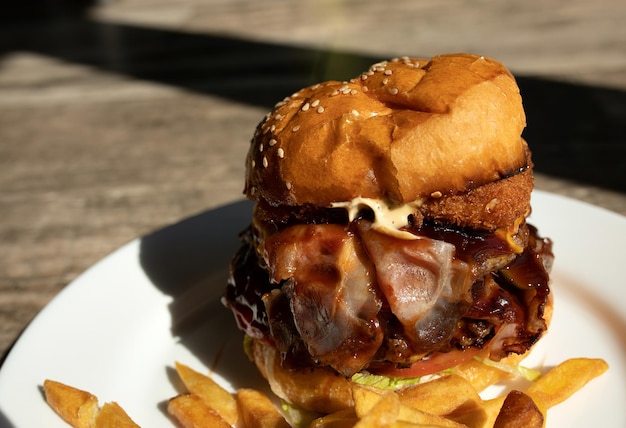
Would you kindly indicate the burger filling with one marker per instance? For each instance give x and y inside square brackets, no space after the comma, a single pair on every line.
[334,288]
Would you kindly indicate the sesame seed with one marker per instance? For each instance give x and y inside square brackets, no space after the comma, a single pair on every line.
[385,80]
[365,89]
[272,128]
[315,103]
[252,190]
[273,142]
[363,76]
[295,128]
[320,109]
[265,162]
[280,152]
[253,163]
[393,91]
[288,184]
[317,85]
[306,107]
[261,148]
[333,93]
[355,112]
[278,116]
[354,92]
[388,72]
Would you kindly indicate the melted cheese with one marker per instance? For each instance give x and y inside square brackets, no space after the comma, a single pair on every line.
[388,219]
[508,233]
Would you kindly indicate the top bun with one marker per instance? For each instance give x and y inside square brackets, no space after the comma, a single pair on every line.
[402,131]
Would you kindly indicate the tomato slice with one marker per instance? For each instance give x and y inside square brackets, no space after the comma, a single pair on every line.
[435,363]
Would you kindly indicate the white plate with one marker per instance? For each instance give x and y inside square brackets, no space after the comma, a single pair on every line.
[118,328]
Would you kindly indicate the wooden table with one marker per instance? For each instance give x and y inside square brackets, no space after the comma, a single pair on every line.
[120,119]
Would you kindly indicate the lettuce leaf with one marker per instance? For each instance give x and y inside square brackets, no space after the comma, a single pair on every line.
[383,382]
[297,416]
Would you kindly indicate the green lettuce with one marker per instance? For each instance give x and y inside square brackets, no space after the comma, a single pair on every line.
[383,382]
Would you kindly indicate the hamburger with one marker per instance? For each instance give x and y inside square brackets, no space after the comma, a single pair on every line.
[389,233]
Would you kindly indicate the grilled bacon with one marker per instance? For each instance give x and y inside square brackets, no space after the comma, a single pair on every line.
[347,296]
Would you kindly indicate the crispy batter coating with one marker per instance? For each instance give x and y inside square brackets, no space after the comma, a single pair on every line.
[495,205]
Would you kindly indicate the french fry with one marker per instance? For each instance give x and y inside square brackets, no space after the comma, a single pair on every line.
[80,408]
[212,394]
[564,380]
[379,413]
[76,407]
[112,415]
[341,419]
[441,396]
[483,416]
[257,411]
[451,401]
[365,399]
[480,375]
[519,411]
[191,412]
[423,418]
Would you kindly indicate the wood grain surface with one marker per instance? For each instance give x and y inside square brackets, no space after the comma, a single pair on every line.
[120,118]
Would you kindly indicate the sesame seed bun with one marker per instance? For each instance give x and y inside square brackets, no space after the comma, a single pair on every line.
[405,130]
[441,137]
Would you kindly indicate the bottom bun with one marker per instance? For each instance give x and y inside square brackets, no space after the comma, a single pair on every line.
[322,390]
[313,388]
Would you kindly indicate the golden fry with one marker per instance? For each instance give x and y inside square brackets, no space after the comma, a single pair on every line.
[451,401]
[191,412]
[111,415]
[213,395]
[76,407]
[564,380]
[420,417]
[480,375]
[441,396]
[519,411]
[342,419]
[257,411]
[483,416]
[366,399]
[381,413]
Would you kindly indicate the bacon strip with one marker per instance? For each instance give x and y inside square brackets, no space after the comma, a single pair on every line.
[346,296]
[427,289]
[331,293]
